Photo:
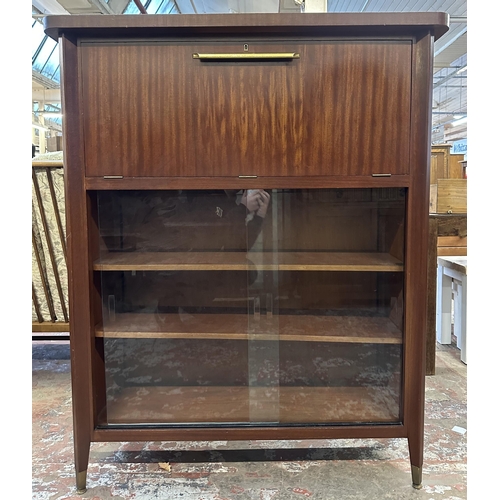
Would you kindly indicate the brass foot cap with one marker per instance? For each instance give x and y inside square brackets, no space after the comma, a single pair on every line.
[416,476]
[81,482]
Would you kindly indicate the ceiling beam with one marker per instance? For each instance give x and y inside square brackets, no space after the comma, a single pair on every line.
[43,80]
[46,95]
[102,6]
[449,77]
[451,41]
[118,6]
[49,7]
[84,6]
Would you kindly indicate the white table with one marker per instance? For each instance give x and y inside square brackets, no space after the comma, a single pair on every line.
[452,285]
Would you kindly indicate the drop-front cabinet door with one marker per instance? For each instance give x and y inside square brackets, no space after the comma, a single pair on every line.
[165,108]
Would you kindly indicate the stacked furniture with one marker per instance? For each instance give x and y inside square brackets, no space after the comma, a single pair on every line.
[247,210]
[50,309]
[448,190]
[447,227]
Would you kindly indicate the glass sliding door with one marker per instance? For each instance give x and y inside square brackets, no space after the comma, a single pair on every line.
[341,262]
[190,322]
[270,307]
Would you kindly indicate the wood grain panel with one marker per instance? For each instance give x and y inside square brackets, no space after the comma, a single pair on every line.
[452,196]
[440,161]
[442,251]
[452,241]
[197,118]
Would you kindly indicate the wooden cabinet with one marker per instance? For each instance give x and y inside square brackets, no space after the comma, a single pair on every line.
[445,165]
[247,209]
[448,189]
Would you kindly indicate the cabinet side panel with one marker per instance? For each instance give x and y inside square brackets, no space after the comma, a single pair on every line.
[78,255]
[417,249]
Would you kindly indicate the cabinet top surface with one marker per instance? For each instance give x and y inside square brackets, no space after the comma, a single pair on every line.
[297,24]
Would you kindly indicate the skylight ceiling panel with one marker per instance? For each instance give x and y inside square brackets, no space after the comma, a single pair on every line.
[153,6]
[51,64]
[57,74]
[131,9]
[451,46]
[452,7]
[345,5]
[378,6]
[404,6]
[48,48]
[37,37]
[167,7]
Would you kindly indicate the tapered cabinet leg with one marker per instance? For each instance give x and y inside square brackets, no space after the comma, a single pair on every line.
[82,450]
[81,431]
[416,447]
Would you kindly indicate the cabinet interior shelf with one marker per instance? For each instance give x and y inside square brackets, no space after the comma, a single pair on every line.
[243,261]
[298,328]
[283,404]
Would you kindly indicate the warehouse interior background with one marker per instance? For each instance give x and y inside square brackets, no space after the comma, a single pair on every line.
[449,102]
[450,123]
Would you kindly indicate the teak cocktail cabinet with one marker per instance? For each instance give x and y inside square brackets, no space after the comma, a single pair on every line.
[247,216]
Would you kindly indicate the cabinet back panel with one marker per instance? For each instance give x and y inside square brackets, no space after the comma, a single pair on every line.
[342,108]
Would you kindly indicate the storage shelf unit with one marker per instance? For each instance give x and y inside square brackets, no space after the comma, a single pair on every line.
[247,232]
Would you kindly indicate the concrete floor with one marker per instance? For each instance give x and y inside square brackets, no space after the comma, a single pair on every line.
[261,470]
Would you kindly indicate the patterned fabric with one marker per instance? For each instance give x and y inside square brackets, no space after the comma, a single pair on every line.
[49,269]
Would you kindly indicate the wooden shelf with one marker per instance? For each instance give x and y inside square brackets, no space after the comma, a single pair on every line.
[242,261]
[188,404]
[296,328]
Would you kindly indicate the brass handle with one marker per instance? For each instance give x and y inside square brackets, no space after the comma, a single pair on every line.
[246,55]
